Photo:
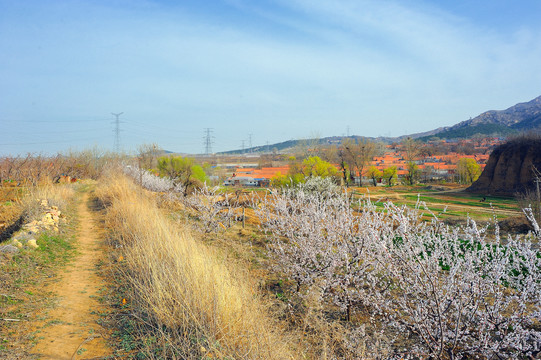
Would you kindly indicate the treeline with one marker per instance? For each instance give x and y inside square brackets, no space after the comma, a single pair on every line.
[34,169]
[354,159]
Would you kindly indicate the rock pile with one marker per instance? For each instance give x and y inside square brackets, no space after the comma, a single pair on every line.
[50,220]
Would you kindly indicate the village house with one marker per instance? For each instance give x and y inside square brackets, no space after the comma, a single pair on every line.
[255,177]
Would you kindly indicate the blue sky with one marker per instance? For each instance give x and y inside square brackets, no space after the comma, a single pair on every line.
[277,69]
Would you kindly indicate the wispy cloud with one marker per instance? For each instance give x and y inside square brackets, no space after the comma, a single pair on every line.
[271,67]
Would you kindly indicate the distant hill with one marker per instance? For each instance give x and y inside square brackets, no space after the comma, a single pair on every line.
[518,118]
[262,149]
[289,144]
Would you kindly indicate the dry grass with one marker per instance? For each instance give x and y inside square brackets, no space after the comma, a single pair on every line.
[209,310]
[10,206]
[55,195]
[18,204]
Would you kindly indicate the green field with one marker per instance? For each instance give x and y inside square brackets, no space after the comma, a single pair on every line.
[446,203]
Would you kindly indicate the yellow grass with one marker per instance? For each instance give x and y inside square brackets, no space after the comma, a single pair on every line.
[10,206]
[56,195]
[180,283]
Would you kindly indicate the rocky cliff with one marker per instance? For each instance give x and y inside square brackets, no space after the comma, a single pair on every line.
[509,168]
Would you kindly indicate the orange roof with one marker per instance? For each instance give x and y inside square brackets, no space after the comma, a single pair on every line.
[266,172]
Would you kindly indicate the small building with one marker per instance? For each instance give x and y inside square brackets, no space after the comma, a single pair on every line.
[240,181]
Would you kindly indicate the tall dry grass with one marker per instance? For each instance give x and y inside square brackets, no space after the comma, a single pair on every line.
[56,195]
[207,308]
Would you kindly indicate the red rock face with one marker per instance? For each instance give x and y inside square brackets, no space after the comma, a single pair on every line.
[509,168]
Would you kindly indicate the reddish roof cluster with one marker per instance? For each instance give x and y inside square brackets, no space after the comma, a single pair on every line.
[263,173]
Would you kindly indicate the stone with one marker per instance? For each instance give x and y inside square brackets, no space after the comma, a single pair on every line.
[9,249]
[17,243]
[23,236]
[32,244]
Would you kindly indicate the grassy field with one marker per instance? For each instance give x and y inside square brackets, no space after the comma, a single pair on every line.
[448,203]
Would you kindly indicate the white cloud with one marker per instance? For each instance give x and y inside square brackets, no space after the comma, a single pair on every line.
[370,64]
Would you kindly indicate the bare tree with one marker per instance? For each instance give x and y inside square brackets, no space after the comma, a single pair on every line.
[147,155]
[411,151]
[358,155]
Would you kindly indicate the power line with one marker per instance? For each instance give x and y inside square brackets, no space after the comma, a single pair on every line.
[53,121]
[117,131]
[156,126]
[48,142]
[27,133]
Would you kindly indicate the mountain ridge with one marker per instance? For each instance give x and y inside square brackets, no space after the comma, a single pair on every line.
[521,117]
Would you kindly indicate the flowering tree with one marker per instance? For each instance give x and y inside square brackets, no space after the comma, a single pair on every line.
[452,290]
[152,182]
[214,209]
[456,292]
[319,241]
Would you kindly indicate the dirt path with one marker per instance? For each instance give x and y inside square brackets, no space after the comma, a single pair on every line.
[70,329]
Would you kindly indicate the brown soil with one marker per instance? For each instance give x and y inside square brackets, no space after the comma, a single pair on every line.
[70,329]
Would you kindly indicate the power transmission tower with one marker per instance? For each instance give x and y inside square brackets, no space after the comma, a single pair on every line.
[250,141]
[207,141]
[117,131]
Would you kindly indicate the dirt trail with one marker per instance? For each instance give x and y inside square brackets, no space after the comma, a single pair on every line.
[70,329]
